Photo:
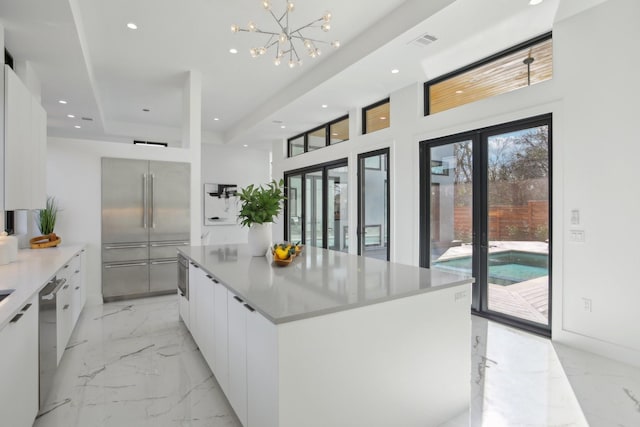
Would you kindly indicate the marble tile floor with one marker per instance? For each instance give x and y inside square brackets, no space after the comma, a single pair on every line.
[133,363]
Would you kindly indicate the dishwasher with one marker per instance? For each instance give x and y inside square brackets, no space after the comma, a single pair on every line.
[48,335]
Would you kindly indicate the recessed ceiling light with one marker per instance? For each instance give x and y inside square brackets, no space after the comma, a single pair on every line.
[282,127]
[324,105]
[245,145]
[71,116]
[132,26]
[77,126]
[62,101]
[233,50]
[535,2]
[215,119]
[383,118]
[395,71]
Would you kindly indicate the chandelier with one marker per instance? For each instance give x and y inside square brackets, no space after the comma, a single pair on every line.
[285,37]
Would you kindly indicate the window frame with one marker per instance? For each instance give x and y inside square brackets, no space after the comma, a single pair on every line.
[366,109]
[496,56]
[327,136]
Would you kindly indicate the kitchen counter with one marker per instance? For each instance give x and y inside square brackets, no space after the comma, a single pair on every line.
[29,274]
[378,343]
[318,282]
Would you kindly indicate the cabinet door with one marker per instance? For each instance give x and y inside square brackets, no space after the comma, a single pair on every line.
[19,367]
[206,320]
[195,274]
[17,180]
[38,155]
[64,318]
[221,351]
[237,317]
[262,371]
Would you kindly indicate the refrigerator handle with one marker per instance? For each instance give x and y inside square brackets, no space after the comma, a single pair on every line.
[144,200]
[153,200]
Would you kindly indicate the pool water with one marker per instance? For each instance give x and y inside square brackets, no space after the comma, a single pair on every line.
[505,268]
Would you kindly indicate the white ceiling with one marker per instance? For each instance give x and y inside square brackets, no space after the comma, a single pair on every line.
[83,52]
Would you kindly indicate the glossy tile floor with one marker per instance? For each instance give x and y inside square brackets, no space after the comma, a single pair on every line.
[134,363]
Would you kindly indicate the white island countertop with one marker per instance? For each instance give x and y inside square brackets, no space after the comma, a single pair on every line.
[29,274]
[317,282]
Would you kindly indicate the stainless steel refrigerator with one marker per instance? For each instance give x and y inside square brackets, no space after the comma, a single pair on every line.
[145,218]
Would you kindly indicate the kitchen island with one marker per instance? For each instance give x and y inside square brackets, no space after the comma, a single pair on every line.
[332,339]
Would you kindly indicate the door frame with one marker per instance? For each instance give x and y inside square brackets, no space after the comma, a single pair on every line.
[479,137]
[360,225]
[322,167]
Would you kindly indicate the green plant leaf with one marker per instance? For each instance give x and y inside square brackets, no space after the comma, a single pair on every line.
[46,219]
[261,204]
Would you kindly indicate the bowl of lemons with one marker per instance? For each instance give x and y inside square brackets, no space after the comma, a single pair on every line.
[284,253]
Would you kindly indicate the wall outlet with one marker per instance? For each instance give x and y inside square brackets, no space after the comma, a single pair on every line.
[586,305]
[576,236]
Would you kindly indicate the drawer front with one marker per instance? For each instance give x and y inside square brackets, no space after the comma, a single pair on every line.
[125,279]
[118,252]
[163,274]
[165,249]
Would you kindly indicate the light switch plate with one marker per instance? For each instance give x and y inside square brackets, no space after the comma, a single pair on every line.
[575,217]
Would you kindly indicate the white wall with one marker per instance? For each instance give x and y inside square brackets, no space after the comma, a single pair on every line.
[74,178]
[593,98]
[223,164]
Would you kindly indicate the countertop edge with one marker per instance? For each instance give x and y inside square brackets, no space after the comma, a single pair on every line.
[6,313]
[322,312]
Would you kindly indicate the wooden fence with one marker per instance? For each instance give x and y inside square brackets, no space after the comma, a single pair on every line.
[528,222]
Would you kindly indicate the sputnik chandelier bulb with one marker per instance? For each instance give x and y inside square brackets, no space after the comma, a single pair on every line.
[284,36]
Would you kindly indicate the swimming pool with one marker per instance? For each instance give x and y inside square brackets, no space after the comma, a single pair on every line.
[505,268]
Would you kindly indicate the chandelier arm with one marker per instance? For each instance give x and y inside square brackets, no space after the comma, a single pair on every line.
[306,26]
[271,33]
[279,21]
[303,38]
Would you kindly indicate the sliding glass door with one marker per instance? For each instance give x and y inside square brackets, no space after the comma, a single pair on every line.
[316,210]
[485,210]
[373,204]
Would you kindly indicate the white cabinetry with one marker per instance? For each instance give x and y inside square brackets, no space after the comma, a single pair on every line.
[206,306]
[262,371]
[25,127]
[221,351]
[240,346]
[19,367]
[195,275]
[237,327]
[201,312]
[70,301]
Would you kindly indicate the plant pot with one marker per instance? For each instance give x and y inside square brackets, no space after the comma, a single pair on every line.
[259,239]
